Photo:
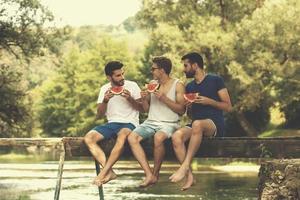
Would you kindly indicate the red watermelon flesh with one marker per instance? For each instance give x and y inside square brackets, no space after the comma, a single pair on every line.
[117,89]
[152,86]
[191,97]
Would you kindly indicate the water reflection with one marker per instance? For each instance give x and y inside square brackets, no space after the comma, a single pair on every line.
[37,182]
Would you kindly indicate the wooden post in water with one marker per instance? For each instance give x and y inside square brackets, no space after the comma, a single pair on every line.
[60,172]
[101,195]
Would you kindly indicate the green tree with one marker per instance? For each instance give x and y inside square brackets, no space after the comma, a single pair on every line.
[181,13]
[23,36]
[13,111]
[251,48]
[266,52]
[68,102]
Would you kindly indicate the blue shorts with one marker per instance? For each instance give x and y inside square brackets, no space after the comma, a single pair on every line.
[149,128]
[112,129]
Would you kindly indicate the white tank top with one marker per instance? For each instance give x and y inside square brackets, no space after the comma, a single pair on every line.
[159,111]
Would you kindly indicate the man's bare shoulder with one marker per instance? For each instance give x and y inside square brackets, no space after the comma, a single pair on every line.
[180,84]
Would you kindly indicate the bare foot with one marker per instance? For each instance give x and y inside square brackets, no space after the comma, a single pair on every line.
[179,174]
[109,177]
[189,181]
[148,181]
[102,178]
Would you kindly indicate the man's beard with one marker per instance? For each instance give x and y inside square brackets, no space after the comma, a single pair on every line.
[190,74]
[118,83]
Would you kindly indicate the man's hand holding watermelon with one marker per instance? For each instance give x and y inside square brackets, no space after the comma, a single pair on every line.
[127,95]
[159,95]
[151,87]
[107,96]
[111,92]
[204,100]
[145,94]
[190,97]
[196,98]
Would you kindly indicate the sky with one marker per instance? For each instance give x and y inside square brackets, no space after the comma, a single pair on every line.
[91,12]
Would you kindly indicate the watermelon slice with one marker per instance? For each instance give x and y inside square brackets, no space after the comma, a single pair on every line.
[191,97]
[117,89]
[152,86]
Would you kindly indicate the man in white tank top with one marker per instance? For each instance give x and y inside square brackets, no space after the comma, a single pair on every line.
[122,113]
[165,107]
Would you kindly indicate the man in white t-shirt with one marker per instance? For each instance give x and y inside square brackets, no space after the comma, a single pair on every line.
[122,113]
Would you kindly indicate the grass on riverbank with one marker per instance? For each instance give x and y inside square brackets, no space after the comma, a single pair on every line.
[18,158]
[280,133]
[9,194]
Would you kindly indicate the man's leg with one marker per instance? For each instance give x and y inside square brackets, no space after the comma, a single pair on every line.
[199,128]
[178,140]
[104,175]
[134,140]
[91,139]
[158,151]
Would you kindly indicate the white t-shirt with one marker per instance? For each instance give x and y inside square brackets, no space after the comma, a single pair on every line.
[118,108]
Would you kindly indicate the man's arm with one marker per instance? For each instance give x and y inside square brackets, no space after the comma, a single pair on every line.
[178,106]
[224,104]
[135,103]
[101,107]
[144,100]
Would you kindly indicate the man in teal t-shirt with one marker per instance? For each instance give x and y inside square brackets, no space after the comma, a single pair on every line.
[206,113]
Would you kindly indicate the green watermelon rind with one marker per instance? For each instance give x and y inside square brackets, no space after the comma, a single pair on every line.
[154,89]
[117,92]
[186,96]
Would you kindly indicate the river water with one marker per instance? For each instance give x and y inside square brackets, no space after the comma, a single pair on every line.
[36,181]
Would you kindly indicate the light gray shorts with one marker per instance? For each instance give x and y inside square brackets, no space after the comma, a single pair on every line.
[149,128]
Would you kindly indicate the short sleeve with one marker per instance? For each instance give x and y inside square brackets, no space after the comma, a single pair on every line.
[188,88]
[136,91]
[220,83]
[101,95]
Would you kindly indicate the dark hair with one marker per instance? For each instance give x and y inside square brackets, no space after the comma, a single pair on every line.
[164,63]
[111,66]
[194,57]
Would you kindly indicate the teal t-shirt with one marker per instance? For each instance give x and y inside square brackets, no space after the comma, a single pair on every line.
[209,87]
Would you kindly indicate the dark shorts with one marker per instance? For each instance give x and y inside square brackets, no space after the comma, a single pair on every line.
[112,129]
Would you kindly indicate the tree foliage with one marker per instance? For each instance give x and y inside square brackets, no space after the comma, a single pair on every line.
[68,102]
[250,44]
[21,27]
[12,109]
[22,36]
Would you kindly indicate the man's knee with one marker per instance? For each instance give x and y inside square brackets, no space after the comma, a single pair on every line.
[91,137]
[133,138]
[124,133]
[177,139]
[159,139]
[122,137]
[198,125]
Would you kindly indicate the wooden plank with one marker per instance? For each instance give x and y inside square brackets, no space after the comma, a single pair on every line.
[233,147]
[60,172]
[100,189]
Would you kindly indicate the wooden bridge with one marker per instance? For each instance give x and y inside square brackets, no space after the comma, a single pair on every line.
[229,147]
